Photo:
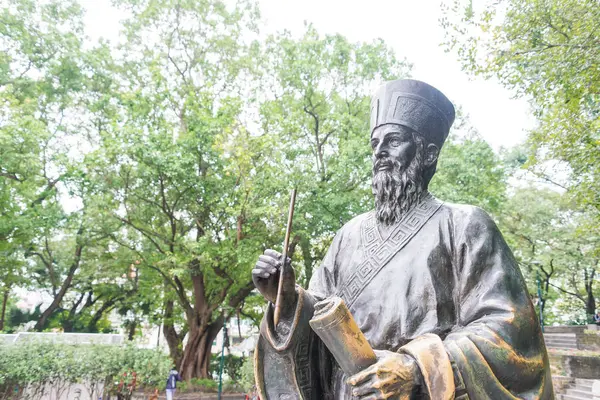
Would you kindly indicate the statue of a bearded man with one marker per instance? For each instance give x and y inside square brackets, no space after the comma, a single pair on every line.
[432,285]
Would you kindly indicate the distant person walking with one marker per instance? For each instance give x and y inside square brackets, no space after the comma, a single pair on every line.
[597,318]
[172,383]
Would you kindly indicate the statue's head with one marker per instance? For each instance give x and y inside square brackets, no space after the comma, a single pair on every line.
[410,121]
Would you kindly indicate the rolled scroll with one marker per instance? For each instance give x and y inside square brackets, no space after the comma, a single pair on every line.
[336,327]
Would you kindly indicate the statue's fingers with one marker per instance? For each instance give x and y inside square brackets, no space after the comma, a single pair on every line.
[388,383]
[265,267]
[363,390]
[270,260]
[375,388]
[277,255]
[272,253]
[371,396]
[261,273]
[363,375]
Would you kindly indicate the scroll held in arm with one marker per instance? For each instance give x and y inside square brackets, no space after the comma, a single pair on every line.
[338,330]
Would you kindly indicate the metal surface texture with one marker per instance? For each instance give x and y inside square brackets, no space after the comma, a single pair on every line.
[431,286]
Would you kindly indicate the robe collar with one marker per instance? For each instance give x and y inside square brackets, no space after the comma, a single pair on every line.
[379,251]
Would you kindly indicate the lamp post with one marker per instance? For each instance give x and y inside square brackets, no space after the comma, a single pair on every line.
[540,299]
[222,361]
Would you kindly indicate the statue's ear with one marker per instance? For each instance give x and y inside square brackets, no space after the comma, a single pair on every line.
[431,154]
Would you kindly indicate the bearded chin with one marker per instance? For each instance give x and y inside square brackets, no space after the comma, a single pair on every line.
[397,190]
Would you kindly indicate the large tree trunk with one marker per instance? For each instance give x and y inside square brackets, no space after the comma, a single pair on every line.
[3,312]
[174,340]
[196,355]
[590,300]
[201,325]
[131,330]
[590,305]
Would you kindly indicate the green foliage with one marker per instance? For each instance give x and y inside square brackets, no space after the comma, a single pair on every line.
[53,225]
[545,233]
[232,366]
[181,164]
[39,81]
[37,366]
[17,317]
[469,172]
[198,385]
[247,380]
[547,51]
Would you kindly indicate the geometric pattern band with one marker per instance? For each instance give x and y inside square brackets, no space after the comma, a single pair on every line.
[379,252]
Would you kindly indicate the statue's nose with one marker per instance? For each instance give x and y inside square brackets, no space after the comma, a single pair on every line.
[381,152]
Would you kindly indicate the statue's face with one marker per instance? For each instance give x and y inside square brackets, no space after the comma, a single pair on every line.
[397,171]
[392,143]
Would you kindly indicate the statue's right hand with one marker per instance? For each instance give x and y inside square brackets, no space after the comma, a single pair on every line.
[265,275]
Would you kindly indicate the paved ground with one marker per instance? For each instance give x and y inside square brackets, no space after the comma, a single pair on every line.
[193,396]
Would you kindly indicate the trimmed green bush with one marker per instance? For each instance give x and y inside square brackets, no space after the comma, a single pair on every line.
[247,374]
[231,366]
[31,369]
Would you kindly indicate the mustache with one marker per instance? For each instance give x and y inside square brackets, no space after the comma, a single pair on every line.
[386,164]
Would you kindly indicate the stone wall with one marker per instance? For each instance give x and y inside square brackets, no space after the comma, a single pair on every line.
[576,366]
[561,383]
[588,340]
[74,391]
[565,329]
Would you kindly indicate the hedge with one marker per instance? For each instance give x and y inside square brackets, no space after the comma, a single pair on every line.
[30,370]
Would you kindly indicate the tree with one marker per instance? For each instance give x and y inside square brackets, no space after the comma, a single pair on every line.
[544,232]
[547,51]
[41,83]
[581,261]
[469,172]
[55,92]
[530,220]
[179,160]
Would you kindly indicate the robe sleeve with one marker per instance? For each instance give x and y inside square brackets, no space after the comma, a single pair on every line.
[496,350]
[294,364]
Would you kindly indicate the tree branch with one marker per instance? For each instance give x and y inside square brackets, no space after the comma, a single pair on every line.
[144,232]
[567,292]
[241,294]
[11,175]
[185,303]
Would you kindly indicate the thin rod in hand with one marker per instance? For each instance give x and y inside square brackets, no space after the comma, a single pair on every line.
[286,243]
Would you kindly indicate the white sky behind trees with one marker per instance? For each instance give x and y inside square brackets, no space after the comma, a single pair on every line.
[410,27]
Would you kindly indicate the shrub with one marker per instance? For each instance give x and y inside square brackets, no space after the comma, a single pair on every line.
[231,366]
[247,374]
[198,385]
[31,369]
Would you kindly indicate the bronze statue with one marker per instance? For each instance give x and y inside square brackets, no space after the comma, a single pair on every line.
[432,286]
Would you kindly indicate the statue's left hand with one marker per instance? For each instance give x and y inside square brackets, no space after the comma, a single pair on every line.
[394,375]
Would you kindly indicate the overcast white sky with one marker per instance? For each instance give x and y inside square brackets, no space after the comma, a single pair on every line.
[410,27]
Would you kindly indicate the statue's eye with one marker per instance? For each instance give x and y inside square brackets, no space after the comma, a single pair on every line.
[395,142]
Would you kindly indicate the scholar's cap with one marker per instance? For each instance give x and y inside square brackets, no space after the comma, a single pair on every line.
[416,105]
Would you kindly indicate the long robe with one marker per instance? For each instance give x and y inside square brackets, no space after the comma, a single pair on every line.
[443,287]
